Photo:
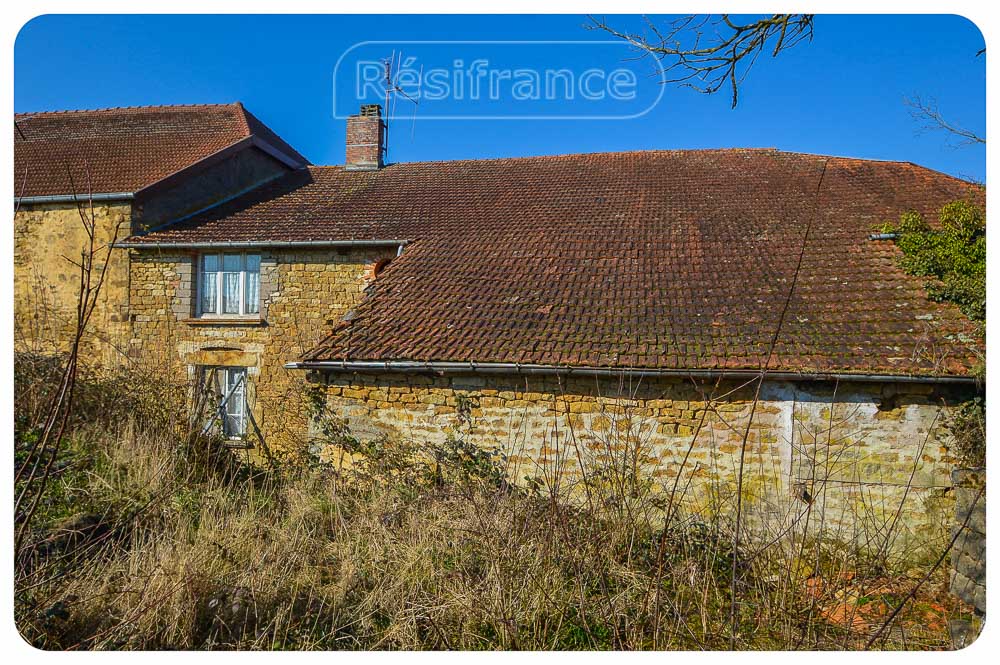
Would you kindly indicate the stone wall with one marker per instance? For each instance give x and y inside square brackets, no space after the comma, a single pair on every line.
[968,558]
[46,283]
[303,295]
[841,455]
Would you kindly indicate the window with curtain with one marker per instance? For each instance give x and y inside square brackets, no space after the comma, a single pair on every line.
[229,284]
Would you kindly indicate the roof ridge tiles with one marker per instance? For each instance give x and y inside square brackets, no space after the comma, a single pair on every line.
[141,107]
[665,152]
[243,117]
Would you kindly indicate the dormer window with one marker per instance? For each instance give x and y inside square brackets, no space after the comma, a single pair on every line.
[229,284]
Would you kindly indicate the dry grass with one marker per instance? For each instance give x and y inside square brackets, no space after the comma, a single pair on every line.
[151,540]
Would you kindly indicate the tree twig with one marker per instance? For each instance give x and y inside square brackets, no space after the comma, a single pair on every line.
[928,113]
[708,53]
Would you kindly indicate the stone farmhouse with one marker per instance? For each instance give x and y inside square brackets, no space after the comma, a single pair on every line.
[562,309]
[139,168]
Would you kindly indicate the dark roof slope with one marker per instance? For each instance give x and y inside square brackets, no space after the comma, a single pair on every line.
[681,260]
[124,149]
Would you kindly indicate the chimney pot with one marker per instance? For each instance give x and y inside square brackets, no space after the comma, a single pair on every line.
[365,139]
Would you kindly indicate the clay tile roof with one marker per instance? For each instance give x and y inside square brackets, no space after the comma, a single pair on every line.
[123,149]
[678,260]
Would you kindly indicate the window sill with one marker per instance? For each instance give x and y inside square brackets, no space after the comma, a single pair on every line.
[225,321]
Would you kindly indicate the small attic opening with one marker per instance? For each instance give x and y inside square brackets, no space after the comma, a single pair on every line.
[380,266]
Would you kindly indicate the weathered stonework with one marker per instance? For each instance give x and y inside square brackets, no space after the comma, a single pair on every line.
[837,455]
[303,294]
[968,558]
[46,284]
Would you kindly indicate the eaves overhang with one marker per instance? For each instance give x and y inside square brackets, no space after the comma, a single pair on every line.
[247,244]
[73,198]
[417,367]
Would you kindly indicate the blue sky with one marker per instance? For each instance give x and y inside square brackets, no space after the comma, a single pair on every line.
[841,94]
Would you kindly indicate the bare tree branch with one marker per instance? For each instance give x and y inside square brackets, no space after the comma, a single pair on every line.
[40,460]
[707,53]
[931,119]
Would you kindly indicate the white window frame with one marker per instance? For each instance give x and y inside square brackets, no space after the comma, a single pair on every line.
[220,257]
[221,412]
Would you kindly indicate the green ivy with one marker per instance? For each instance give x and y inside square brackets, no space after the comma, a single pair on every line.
[952,256]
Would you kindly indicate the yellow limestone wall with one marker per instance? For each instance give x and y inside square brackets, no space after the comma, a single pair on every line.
[46,283]
[817,454]
[303,295]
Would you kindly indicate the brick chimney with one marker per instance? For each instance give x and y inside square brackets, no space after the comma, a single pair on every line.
[365,136]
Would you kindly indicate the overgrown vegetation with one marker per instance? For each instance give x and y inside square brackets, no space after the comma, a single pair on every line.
[152,539]
[952,257]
